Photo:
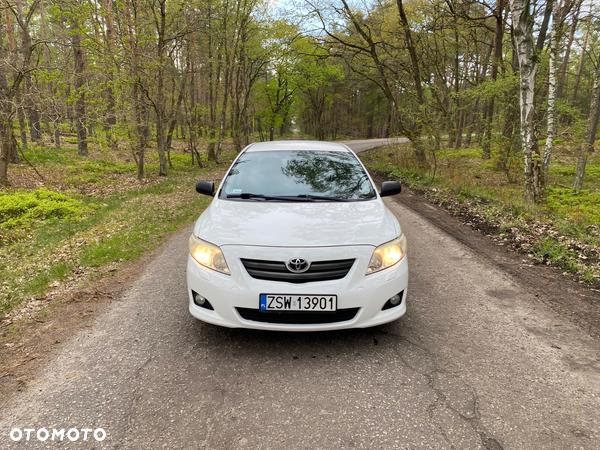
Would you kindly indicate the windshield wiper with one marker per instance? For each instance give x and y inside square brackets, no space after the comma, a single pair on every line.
[248,195]
[330,198]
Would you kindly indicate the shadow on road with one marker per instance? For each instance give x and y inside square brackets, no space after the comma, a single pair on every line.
[297,344]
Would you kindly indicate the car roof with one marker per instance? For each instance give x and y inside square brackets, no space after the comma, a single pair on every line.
[297,145]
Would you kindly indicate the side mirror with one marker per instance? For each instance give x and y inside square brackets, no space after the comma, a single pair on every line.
[390,188]
[206,188]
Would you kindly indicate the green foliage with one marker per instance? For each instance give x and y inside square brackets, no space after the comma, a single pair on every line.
[582,206]
[63,156]
[591,171]
[501,87]
[565,109]
[180,161]
[563,170]
[504,159]
[465,153]
[87,233]
[400,173]
[26,208]
[104,166]
[95,171]
[550,248]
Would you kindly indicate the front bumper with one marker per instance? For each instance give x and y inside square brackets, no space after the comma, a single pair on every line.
[228,293]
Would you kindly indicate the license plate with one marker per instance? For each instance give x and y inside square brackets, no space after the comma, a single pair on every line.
[289,302]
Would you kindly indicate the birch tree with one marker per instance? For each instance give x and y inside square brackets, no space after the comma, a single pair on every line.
[551,94]
[522,22]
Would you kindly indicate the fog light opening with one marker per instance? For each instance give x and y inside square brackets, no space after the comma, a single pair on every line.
[394,301]
[201,301]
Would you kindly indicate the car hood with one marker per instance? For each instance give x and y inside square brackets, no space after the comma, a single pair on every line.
[279,224]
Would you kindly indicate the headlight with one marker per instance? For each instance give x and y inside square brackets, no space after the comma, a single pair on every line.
[388,254]
[207,255]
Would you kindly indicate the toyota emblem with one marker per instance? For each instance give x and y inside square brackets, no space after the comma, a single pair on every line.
[297,265]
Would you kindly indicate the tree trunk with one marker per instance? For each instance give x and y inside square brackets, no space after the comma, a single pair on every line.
[528,65]
[415,134]
[511,112]
[13,62]
[551,94]
[111,118]
[590,132]
[469,136]
[565,62]
[6,130]
[496,58]
[21,118]
[79,87]
[34,115]
[411,51]
[580,66]
[54,113]
[6,143]
[64,45]
[223,115]
[230,54]
[174,117]
[544,27]
[139,151]
[159,105]
[459,131]
[214,74]
[32,112]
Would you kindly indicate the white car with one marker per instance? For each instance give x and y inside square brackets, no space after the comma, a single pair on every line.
[297,239]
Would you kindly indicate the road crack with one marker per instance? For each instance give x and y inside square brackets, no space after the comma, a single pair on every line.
[431,369]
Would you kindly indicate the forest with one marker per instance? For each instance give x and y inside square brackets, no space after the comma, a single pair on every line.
[129,75]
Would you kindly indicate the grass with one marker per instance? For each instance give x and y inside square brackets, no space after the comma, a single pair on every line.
[86,231]
[563,230]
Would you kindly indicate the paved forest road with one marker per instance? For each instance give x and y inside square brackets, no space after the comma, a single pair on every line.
[368,144]
[477,363]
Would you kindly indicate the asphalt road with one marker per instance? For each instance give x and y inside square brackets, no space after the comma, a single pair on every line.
[476,363]
[359,146]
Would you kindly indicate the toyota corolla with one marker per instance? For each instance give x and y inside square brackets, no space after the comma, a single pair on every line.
[297,238]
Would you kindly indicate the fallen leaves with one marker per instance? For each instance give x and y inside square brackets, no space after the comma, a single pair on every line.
[581,254]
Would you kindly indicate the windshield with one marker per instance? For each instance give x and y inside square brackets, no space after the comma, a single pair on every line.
[303,175]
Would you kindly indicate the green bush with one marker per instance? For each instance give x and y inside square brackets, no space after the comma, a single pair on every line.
[24,208]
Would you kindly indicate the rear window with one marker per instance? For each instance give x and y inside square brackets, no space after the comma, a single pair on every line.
[299,173]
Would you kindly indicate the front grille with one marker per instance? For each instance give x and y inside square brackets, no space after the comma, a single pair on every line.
[318,271]
[297,318]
